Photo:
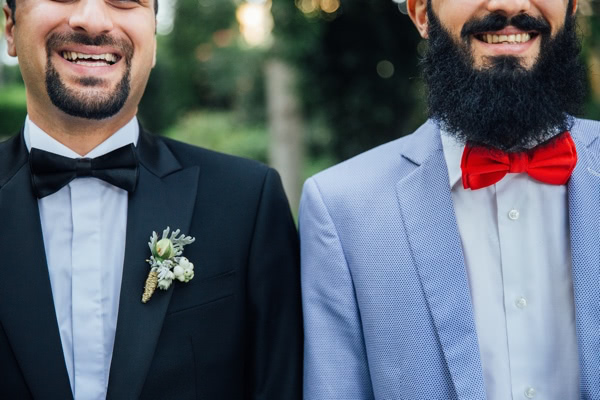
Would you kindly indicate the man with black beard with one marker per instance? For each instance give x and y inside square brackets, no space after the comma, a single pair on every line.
[89,307]
[461,261]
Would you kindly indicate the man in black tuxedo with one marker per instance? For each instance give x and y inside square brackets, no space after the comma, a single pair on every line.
[82,187]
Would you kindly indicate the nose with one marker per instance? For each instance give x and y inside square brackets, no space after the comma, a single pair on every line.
[91,16]
[509,8]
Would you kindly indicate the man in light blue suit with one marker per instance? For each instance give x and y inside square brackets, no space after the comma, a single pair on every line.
[463,261]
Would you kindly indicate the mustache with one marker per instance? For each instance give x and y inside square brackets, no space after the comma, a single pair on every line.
[57,40]
[496,22]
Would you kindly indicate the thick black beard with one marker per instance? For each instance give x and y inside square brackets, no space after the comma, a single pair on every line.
[81,105]
[504,105]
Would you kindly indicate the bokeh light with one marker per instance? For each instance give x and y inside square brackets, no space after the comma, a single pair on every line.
[385,69]
[256,22]
[312,7]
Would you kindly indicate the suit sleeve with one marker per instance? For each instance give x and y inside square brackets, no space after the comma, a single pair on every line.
[274,301]
[335,360]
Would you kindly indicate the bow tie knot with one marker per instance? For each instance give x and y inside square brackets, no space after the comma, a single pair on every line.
[50,172]
[550,163]
[518,162]
[83,167]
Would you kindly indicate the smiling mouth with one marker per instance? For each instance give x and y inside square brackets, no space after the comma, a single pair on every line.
[491,38]
[90,60]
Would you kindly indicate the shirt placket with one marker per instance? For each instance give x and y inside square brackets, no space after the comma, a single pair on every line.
[86,287]
[512,233]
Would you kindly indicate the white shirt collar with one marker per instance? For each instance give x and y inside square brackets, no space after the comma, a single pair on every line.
[453,151]
[35,137]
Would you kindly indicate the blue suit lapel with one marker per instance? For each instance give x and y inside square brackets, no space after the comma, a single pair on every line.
[428,215]
[584,219]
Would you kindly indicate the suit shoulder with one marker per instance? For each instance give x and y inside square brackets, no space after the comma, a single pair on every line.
[383,165]
[587,131]
[12,157]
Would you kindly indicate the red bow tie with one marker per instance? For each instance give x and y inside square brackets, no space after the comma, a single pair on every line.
[550,163]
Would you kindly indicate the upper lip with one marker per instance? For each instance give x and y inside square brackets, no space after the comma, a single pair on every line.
[509,30]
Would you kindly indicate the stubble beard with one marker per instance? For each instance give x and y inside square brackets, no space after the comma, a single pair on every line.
[504,105]
[93,103]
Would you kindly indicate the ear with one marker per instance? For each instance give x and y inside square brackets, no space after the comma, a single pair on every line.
[574,9]
[417,10]
[9,31]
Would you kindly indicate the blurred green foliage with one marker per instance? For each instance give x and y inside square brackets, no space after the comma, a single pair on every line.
[13,109]
[348,105]
[223,131]
[343,81]
[219,130]
[359,81]
[589,29]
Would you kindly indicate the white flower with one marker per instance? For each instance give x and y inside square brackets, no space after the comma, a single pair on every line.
[164,284]
[166,263]
[188,275]
[184,263]
[164,272]
[179,273]
[165,249]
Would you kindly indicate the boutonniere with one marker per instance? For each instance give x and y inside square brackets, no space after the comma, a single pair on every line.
[166,262]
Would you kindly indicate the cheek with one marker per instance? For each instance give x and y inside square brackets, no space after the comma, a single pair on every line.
[554,11]
[31,53]
[453,16]
[141,34]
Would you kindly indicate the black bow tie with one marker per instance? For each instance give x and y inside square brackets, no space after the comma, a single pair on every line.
[50,172]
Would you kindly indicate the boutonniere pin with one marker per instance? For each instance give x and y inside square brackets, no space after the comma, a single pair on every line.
[166,262]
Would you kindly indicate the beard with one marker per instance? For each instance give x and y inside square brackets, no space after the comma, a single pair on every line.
[92,104]
[504,105]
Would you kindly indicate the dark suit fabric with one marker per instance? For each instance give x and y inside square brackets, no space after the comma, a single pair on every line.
[232,332]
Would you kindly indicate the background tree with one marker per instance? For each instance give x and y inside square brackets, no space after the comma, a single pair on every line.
[328,80]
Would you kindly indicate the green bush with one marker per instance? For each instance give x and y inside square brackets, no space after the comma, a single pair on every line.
[13,109]
[220,131]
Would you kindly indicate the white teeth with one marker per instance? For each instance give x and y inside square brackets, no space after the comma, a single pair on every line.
[80,58]
[89,64]
[516,38]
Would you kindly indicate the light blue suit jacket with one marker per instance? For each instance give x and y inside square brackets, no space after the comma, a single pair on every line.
[387,308]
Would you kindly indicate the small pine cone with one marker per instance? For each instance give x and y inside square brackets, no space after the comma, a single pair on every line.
[150,287]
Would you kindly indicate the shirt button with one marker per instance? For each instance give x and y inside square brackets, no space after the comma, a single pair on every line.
[521,302]
[530,393]
[513,214]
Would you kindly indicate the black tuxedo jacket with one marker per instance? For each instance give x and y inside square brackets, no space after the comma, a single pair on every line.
[232,332]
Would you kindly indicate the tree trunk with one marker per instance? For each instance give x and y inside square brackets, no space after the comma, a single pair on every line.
[286,126]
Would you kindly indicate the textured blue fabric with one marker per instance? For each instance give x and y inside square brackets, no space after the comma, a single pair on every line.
[387,308]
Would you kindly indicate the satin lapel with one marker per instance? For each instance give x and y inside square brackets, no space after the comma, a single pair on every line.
[164,197]
[584,220]
[26,304]
[428,216]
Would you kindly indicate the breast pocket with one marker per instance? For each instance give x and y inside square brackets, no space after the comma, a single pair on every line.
[199,292]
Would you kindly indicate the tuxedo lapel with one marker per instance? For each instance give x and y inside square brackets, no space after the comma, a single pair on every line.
[164,197]
[430,222]
[584,219]
[26,304]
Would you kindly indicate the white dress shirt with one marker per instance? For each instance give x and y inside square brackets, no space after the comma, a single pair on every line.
[84,226]
[515,239]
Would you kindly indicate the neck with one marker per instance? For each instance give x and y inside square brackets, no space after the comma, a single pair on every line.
[79,134]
